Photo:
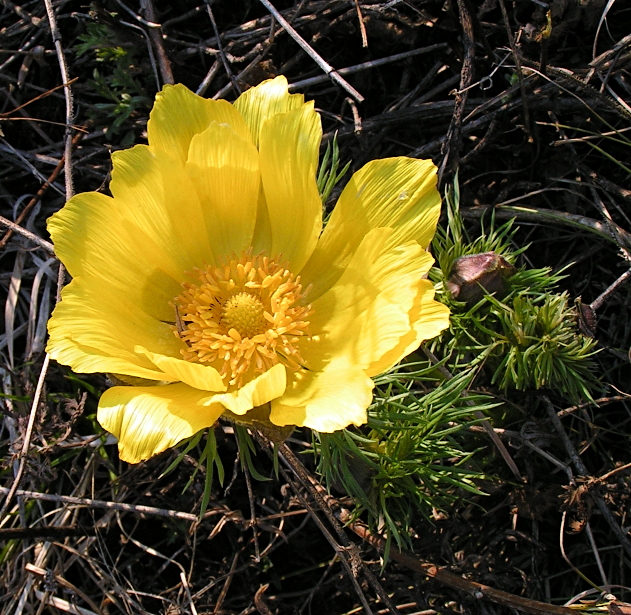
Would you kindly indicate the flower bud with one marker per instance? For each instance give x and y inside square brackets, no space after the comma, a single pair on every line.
[476,274]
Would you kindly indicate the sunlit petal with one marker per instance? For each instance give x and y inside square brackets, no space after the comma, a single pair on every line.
[269,385]
[399,193]
[367,311]
[148,420]
[95,329]
[260,103]
[326,400]
[289,157]
[196,375]
[428,318]
[178,115]
[224,169]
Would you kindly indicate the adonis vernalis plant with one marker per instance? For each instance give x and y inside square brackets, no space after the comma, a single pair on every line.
[206,283]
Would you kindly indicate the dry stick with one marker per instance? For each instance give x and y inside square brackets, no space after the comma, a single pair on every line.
[253,520]
[597,303]
[259,603]
[356,68]
[155,34]
[27,437]
[315,490]
[486,425]
[63,68]
[327,68]
[36,239]
[138,509]
[69,192]
[38,97]
[40,193]
[254,62]
[452,144]
[362,25]
[227,583]
[332,509]
[151,54]
[577,462]
[344,552]
[49,575]
[535,214]
[210,75]
[520,75]
[609,222]
[222,55]
[477,590]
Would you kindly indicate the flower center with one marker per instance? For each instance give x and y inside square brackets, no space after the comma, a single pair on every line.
[243,317]
[245,313]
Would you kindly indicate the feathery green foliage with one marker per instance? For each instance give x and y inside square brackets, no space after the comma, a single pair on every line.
[531,335]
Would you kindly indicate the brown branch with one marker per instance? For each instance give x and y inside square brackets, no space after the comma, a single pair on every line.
[453,143]
[477,590]
[155,34]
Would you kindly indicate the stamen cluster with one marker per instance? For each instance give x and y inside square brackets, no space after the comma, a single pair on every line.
[243,317]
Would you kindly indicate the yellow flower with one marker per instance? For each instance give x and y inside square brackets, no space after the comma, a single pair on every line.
[207,278]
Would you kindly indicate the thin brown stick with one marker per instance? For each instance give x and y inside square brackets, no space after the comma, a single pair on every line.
[29,206]
[356,68]
[317,58]
[520,74]
[332,508]
[577,462]
[453,143]
[155,34]
[27,437]
[477,590]
[138,509]
[49,575]
[362,25]
[36,239]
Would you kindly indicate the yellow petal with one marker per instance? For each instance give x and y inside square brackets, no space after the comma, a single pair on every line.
[264,101]
[178,115]
[326,400]
[154,194]
[203,377]
[427,319]
[95,329]
[367,311]
[224,168]
[148,420]
[262,240]
[395,192]
[262,389]
[94,240]
[289,157]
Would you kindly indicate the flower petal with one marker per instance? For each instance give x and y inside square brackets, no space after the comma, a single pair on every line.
[148,420]
[269,385]
[94,240]
[224,169]
[260,103]
[196,375]
[289,157]
[154,194]
[427,318]
[367,311]
[325,400]
[178,115]
[395,192]
[95,329]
